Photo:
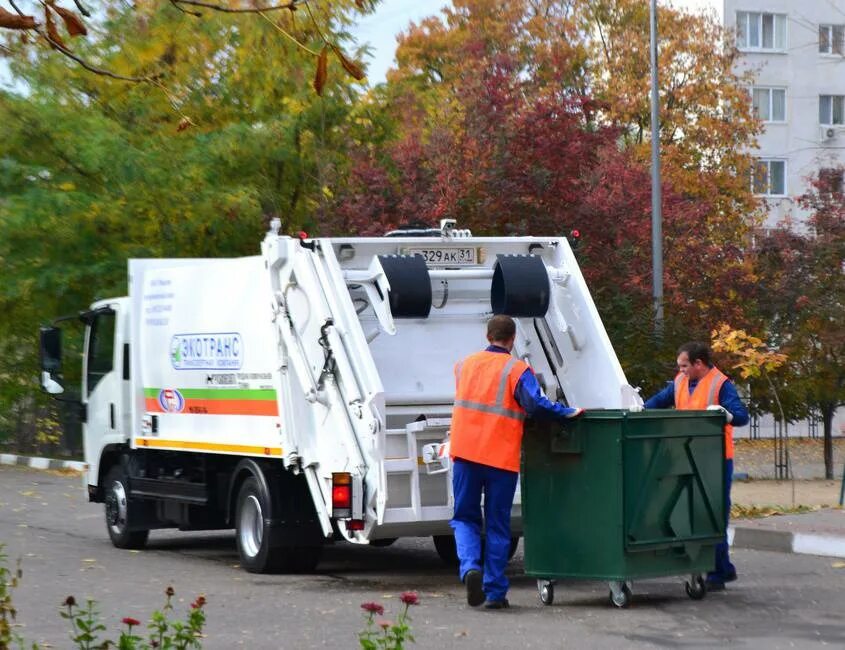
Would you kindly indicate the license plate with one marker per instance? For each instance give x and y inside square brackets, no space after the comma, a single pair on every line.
[452,256]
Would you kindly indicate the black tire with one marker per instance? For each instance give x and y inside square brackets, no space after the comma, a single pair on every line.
[448,550]
[120,511]
[514,546]
[384,542]
[546,591]
[259,546]
[696,589]
[624,598]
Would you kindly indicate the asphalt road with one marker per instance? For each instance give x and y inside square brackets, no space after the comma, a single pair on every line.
[780,601]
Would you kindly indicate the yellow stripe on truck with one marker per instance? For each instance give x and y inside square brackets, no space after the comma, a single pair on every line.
[248,450]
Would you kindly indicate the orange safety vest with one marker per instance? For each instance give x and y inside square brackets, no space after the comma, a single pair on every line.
[487,419]
[706,392]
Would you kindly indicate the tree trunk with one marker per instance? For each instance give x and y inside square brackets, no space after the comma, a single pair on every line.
[827,417]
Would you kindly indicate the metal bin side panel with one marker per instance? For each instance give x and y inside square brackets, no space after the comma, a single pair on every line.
[617,495]
[673,467]
[572,497]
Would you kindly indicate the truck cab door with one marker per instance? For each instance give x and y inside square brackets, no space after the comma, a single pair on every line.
[102,384]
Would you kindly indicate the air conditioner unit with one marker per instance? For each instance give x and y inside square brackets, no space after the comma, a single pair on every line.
[827,133]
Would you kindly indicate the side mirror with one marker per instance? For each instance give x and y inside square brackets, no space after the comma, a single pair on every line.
[50,356]
[51,349]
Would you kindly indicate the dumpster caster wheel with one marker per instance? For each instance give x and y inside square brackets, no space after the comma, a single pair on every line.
[696,589]
[546,589]
[620,594]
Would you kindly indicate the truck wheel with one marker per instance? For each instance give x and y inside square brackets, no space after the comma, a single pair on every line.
[384,542]
[258,548]
[119,510]
[448,550]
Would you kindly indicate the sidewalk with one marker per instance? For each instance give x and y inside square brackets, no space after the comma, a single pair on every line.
[821,532]
[41,463]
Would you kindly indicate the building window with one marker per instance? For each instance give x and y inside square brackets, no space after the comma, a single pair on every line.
[769,103]
[832,39]
[831,109]
[759,31]
[769,177]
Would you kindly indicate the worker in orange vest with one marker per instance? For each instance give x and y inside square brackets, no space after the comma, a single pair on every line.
[700,385]
[494,393]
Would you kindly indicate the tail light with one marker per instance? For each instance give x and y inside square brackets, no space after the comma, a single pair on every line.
[341,495]
[354,524]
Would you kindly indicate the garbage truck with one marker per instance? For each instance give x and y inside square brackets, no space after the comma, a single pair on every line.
[303,395]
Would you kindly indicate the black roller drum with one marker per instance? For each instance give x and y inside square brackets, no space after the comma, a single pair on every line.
[520,286]
[410,285]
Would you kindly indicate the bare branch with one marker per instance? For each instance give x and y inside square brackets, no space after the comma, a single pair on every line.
[229,10]
[176,4]
[91,68]
[82,8]
[289,36]
[88,66]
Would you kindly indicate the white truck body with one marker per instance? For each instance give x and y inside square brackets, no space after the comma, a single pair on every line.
[298,357]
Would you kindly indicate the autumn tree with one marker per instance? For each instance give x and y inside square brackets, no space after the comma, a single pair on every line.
[504,118]
[802,297]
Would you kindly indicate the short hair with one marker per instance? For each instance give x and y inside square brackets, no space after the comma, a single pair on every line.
[501,328]
[697,350]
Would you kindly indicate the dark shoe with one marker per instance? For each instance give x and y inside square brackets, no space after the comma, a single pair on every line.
[475,592]
[731,577]
[497,604]
[714,585]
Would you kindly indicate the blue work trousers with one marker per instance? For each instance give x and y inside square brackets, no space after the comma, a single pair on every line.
[469,480]
[724,570]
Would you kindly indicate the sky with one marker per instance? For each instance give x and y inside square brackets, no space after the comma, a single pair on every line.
[393,16]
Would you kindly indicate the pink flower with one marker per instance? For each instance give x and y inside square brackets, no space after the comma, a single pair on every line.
[199,603]
[131,621]
[410,598]
[373,608]
[383,624]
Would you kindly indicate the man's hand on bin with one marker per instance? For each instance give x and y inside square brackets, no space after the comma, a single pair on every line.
[717,407]
[572,412]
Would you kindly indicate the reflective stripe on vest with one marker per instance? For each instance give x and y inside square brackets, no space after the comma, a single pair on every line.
[487,419]
[705,393]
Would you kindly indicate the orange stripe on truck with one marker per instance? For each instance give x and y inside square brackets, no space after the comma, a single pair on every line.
[219,407]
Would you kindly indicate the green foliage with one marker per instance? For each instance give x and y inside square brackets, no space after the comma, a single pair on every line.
[94,171]
[9,580]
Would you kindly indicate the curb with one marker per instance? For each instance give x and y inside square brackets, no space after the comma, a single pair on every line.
[42,463]
[784,541]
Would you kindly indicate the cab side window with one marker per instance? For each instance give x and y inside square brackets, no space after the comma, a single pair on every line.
[100,349]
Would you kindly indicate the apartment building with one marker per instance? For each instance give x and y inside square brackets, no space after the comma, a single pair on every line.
[796,50]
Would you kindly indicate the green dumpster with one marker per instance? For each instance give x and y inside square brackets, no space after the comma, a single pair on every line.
[618,496]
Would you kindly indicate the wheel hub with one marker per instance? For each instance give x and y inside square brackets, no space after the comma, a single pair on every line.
[116,507]
[251,526]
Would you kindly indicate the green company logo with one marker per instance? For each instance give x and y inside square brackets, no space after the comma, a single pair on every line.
[175,352]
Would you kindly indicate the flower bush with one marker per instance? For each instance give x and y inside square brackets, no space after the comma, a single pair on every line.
[86,627]
[383,634]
